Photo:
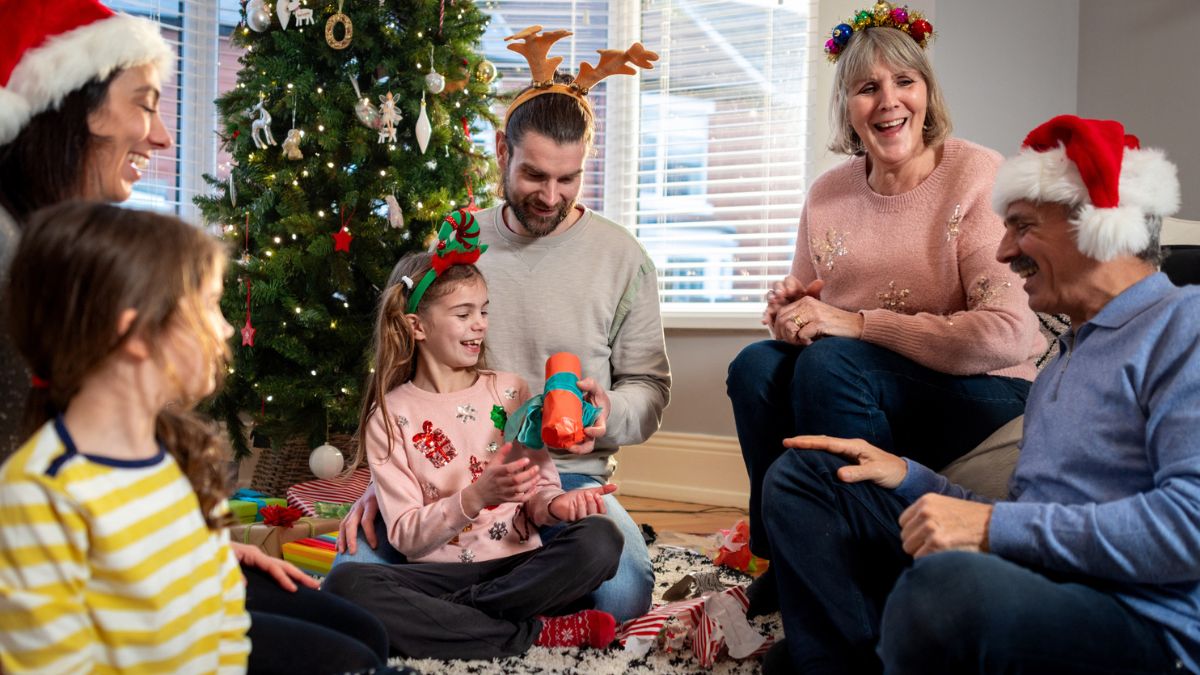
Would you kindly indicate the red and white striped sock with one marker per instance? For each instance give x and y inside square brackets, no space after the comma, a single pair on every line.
[589,627]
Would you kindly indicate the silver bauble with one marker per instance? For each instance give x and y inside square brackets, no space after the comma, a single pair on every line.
[257,16]
[434,82]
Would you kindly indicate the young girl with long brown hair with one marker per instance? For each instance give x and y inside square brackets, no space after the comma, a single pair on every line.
[463,507]
[112,553]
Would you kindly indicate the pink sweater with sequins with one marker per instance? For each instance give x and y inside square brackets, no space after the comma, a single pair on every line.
[921,266]
[441,443]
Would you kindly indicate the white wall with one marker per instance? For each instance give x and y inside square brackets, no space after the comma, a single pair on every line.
[1139,66]
[1005,66]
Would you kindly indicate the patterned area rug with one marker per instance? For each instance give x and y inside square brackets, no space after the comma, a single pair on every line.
[670,564]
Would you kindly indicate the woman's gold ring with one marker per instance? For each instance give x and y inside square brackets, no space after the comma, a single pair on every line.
[800,323]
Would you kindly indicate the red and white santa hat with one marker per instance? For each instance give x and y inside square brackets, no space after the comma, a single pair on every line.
[1095,164]
[53,47]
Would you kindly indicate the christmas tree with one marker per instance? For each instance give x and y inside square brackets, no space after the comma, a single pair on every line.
[374,105]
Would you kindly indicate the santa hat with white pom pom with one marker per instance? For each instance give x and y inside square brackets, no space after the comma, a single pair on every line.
[1095,166]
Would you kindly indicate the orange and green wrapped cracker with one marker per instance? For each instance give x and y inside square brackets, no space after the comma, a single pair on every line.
[557,417]
[562,403]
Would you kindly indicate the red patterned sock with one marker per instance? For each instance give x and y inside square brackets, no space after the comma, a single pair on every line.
[589,627]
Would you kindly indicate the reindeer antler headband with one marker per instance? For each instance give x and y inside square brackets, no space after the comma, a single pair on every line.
[535,46]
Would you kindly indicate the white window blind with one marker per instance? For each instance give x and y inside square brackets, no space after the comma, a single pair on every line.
[722,153]
[190,27]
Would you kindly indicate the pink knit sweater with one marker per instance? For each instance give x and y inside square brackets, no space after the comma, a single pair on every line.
[921,267]
[442,442]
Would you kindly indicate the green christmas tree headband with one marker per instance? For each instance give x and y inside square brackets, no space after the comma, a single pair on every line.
[458,244]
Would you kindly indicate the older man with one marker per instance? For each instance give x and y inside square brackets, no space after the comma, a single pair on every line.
[1093,564]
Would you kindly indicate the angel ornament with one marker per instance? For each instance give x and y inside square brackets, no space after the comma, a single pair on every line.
[291,144]
[260,128]
[389,115]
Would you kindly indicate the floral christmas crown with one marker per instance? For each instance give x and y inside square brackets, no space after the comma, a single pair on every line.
[535,46]
[882,15]
[458,244]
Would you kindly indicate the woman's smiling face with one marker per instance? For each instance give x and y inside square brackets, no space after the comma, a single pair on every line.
[887,111]
[127,129]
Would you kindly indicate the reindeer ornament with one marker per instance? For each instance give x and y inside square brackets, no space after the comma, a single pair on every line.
[535,46]
[260,128]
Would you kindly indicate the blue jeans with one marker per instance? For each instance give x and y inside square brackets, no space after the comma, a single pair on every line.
[958,612]
[852,389]
[626,596]
[846,587]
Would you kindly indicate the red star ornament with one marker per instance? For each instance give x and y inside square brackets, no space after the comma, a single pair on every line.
[341,240]
[248,332]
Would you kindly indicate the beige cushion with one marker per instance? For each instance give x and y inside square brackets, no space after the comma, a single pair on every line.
[986,469]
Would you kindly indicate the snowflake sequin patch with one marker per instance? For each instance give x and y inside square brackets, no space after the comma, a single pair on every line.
[952,224]
[498,531]
[895,299]
[510,393]
[984,292]
[827,250]
[466,413]
[467,555]
[493,447]
[401,421]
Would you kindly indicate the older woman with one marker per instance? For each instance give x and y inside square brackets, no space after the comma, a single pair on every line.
[896,324]
[79,119]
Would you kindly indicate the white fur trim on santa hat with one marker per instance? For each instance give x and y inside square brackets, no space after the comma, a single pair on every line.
[66,62]
[1148,187]
[1104,234]
[1038,177]
[14,113]
[1149,182]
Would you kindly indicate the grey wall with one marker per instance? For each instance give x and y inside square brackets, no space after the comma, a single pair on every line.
[1006,67]
[1139,66]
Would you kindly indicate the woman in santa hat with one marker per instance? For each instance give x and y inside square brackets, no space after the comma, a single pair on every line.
[79,119]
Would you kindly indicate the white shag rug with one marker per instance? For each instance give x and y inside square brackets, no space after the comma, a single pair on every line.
[670,564]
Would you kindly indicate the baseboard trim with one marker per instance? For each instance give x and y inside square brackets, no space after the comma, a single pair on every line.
[698,468]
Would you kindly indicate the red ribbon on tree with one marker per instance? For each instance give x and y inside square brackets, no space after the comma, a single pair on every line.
[248,330]
[471,205]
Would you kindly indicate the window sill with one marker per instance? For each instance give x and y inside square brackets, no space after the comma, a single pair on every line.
[716,320]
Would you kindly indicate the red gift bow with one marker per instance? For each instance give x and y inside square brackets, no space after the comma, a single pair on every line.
[281,516]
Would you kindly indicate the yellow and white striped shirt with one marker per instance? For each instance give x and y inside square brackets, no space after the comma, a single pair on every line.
[107,566]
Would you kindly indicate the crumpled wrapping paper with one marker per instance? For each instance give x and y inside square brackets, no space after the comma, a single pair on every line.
[709,623]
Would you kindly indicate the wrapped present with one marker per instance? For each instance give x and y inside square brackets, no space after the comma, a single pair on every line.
[333,490]
[246,505]
[708,624]
[271,538]
[312,554]
[331,509]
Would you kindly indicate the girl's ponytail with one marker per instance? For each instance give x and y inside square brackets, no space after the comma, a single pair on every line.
[395,352]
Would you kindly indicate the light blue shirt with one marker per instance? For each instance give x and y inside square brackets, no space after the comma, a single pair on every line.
[1108,481]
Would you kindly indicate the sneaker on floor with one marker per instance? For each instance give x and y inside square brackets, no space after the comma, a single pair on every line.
[762,595]
[590,627]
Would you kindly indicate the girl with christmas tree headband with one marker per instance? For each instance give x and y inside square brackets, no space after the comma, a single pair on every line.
[451,491]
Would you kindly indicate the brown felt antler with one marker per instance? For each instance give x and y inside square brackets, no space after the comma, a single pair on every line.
[614,62]
[535,46]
